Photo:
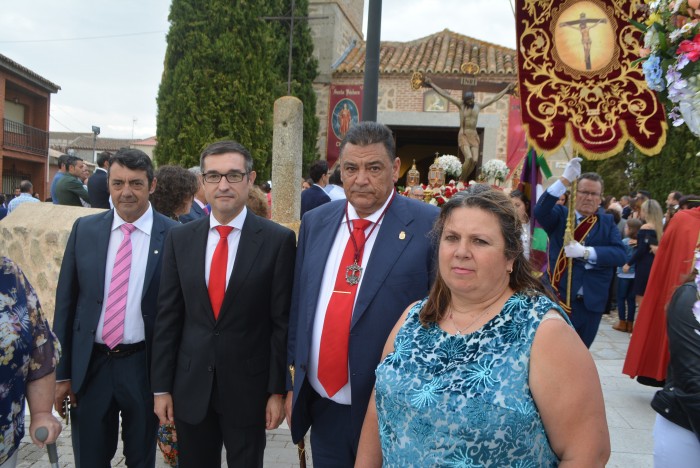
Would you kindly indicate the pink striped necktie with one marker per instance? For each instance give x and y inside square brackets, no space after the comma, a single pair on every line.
[113,328]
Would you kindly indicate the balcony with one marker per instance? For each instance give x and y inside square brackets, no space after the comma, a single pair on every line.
[18,136]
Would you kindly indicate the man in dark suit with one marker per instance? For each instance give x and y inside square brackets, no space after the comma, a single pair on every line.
[220,341]
[97,183]
[349,291]
[596,249]
[315,195]
[105,313]
[199,203]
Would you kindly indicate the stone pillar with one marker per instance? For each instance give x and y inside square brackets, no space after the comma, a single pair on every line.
[287,139]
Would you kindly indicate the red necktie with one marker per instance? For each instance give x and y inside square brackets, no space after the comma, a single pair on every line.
[333,353]
[217,272]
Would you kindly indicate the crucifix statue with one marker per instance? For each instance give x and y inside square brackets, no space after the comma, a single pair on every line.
[291,18]
[584,26]
[467,138]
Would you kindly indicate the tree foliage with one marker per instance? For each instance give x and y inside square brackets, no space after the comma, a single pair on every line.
[223,71]
[675,168]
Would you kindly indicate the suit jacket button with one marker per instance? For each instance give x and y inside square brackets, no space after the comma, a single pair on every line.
[210,368]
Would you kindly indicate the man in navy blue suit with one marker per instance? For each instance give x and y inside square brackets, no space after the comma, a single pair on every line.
[359,264]
[106,374]
[97,183]
[596,250]
[315,195]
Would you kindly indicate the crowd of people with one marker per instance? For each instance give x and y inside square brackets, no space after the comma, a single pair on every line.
[396,333]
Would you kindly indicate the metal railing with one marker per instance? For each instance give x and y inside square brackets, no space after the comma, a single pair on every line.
[25,138]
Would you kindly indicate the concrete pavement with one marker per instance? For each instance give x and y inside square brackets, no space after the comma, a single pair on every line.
[630,418]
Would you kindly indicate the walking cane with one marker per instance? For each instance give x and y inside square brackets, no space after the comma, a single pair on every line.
[41,435]
[301,449]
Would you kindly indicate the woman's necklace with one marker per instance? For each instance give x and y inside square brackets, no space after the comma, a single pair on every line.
[460,331]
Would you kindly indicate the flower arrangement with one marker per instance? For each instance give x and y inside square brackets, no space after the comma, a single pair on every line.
[494,169]
[450,164]
[671,56]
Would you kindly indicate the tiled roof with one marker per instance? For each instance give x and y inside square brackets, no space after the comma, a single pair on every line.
[12,66]
[103,144]
[442,52]
[150,141]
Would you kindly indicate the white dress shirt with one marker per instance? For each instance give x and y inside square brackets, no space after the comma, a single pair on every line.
[233,240]
[330,273]
[140,243]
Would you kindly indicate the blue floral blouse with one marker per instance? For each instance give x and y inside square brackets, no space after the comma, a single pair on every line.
[463,400]
[28,351]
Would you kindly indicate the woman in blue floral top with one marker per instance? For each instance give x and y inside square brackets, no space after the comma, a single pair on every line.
[29,352]
[487,370]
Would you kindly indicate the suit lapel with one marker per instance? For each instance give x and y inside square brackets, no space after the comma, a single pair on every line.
[154,250]
[248,246]
[196,257]
[104,229]
[386,251]
[324,231]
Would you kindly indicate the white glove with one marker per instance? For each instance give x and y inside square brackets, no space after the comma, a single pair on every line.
[574,250]
[572,169]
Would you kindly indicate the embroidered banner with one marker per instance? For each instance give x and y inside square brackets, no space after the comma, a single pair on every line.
[344,110]
[577,79]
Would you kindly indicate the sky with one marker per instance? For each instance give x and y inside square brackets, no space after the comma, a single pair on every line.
[107,55]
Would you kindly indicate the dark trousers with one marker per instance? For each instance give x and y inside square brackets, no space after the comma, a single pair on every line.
[115,386]
[200,444]
[585,322]
[332,441]
[626,306]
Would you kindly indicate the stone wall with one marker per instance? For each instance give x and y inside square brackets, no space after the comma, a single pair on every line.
[34,236]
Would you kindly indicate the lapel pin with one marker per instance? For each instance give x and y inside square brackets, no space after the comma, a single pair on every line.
[155,252]
[402,235]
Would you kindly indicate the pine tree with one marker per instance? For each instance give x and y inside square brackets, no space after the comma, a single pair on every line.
[221,78]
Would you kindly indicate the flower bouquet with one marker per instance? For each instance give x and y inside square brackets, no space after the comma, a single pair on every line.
[494,169]
[670,57]
[450,164]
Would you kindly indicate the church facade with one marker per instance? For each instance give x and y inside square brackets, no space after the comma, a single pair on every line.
[423,122]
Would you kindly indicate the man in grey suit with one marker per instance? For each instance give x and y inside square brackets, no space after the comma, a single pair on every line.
[105,312]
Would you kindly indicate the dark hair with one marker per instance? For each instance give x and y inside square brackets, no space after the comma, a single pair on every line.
[265,187]
[676,195]
[25,186]
[175,187]
[257,202]
[369,133]
[644,193]
[133,159]
[62,161]
[72,161]
[318,169]
[227,146]
[633,226]
[2,198]
[497,203]
[335,177]
[595,177]
[615,214]
[102,158]
[689,201]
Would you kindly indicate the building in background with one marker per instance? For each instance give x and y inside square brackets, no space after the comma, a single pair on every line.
[25,102]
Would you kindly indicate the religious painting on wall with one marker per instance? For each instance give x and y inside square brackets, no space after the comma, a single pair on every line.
[578,78]
[433,102]
[345,110]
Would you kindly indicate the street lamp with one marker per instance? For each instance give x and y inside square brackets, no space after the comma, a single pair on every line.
[95,132]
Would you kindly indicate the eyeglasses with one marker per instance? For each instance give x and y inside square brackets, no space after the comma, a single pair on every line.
[231,177]
[588,194]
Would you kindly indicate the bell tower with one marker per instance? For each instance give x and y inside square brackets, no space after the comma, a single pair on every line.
[334,34]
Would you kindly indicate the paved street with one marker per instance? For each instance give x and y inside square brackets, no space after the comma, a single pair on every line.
[630,418]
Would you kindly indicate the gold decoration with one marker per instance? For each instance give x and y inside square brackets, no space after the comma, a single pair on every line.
[436,174]
[417,81]
[470,68]
[413,176]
